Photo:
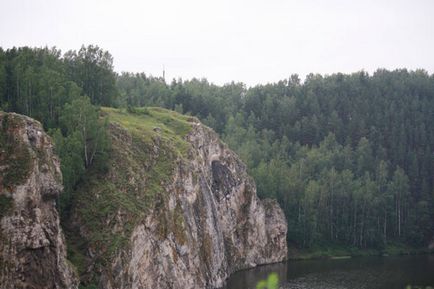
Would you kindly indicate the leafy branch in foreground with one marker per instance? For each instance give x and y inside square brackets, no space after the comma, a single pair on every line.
[272,282]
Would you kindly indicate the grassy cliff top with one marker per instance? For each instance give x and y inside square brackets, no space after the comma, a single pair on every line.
[150,122]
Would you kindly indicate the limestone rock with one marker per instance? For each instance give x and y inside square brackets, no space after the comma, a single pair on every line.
[203,220]
[32,246]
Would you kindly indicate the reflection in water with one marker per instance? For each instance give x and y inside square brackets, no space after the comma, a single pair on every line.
[355,273]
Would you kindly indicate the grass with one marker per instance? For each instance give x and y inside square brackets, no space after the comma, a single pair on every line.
[98,206]
[151,122]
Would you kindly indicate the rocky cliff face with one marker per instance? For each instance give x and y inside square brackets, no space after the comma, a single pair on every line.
[183,212]
[32,247]
[222,225]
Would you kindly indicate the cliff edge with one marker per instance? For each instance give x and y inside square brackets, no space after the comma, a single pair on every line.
[175,208]
[32,247]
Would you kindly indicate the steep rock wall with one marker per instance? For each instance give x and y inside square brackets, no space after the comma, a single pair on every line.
[199,222]
[32,247]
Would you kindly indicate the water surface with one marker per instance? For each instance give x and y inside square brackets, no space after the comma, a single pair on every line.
[395,272]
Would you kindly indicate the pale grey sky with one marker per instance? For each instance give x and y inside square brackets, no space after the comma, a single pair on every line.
[251,41]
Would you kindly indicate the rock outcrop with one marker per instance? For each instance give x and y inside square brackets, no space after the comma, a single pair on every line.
[32,247]
[183,211]
[224,226]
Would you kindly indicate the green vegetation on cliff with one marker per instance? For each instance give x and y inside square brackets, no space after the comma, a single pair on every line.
[148,123]
[14,155]
[145,146]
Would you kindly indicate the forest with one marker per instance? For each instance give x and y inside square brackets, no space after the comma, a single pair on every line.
[349,157]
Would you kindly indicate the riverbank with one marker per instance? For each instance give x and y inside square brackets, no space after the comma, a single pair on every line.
[374,272]
[338,252]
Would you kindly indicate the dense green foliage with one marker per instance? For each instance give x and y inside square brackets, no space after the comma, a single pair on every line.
[83,142]
[38,81]
[349,157]
[42,84]
[91,68]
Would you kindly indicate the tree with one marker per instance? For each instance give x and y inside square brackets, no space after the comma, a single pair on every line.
[365,159]
[3,101]
[92,69]
[70,151]
[384,194]
[399,187]
[81,118]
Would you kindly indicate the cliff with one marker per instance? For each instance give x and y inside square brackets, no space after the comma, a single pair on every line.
[174,209]
[32,247]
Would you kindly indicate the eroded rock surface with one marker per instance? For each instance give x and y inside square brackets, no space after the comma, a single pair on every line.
[206,223]
[32,246]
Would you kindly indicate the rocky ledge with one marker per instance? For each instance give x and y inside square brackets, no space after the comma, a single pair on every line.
[32,247]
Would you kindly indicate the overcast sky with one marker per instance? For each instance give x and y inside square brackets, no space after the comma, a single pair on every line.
[232,40]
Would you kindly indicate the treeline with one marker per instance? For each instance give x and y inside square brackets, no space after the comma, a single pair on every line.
[39,81]
[350,158]
[62,91]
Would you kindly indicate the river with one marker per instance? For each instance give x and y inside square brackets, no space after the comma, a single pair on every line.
[394,272]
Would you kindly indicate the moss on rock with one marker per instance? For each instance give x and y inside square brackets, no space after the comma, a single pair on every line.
[14,155]
[6,204]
